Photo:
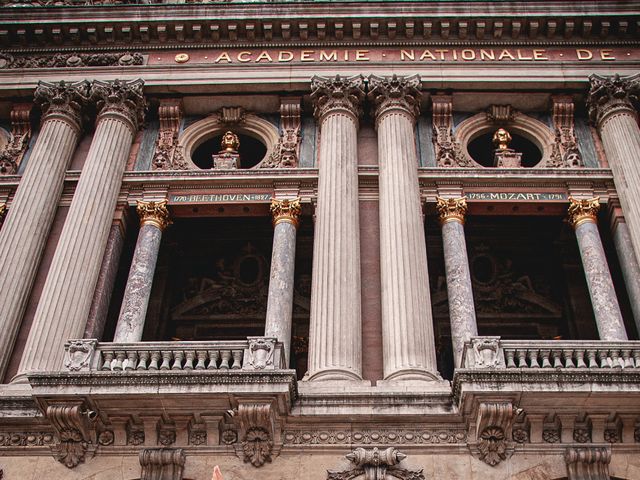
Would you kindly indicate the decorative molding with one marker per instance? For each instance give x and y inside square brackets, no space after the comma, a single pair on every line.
[167,154]
[375,464]
[75,436]
[122,98]
[256,422]
[501,114]
[71,60]
[26,439]
[385,436]
[565,148]
[286,152]
[448,150]
[286,210]
[63,100]
[79,353]
[162,463]
[612,95]
[451,209]
[587,463]
[153,213]
[337,94]
[493,430]
[14,150]
[395,94]
[582,211]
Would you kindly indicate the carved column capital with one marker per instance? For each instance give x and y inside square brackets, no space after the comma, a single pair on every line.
[451,209]
[286,211]
[162,463]
[395,93]
[337,94]
[62,100]
[153,213]
[609,95]
[592,463]
[121,98]
[583,210]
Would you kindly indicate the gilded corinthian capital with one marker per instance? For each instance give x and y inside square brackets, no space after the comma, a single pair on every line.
[451,209]
[610,94]
[120,97]
[154,213]
[62,100]
[391,93]
[583,210]
[337,93]
[285,211]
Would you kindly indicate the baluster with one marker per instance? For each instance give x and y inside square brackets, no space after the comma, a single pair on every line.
[177,362]
[237,359]
[132,358]
[627,361]
[522,358]
[636,357]
[567,355]
[155,359]
[166,360]
[544,354]
[603,357]
[556,355]
[202,357]
[214,355]
[616,360]
[143,355]
[120,356]
[108,358]
[189,356]
[580,359]
[591,355]
[226,356]
[533,358]
[510,361]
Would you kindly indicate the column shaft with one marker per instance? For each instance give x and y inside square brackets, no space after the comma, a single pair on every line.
[281,281]
[25,231]
[335,340]
[68,291]
[629,266]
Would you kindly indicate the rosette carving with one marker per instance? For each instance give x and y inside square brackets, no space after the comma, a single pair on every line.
[120,97]
[337,94]
[395,93]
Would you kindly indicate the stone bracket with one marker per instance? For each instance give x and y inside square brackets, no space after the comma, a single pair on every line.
[286,152]
[447,149]
[168,154]
[162,463]
[565,148]
[15,149]
[256,423]
[74,425]
[588,463]
[375,464]
[493,430]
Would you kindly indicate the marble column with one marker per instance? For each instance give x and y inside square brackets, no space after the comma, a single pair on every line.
[335,339]
[583,219]
[154,218]
[278,323]
[25,231]
[407,322]
[627,258]
[68,290]
[612,102]
[462,312]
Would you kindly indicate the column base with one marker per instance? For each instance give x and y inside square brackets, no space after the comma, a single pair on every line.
[333,375]
[414,375]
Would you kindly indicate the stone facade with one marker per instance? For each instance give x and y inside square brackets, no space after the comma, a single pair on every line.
[327,240]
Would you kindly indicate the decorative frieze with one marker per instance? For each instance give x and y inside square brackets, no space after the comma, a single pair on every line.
[383,436]
[15,149]
[26,439]
[71,60]
[375,464]
[162,463]
[588,463]
[168,155]
[565,148]
[335,94]
[448,150]
[135,433]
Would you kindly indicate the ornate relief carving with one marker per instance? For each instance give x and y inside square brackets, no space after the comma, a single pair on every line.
[72,424]
[26,439]
[153,213]
[493,429]
[608,95]
[487,352]
[286,152]
[15,149]
[197,433]
[501,114]
[582,429]
[162,463]
[256,433]
[451,209]
[334,94]
[551,429]
[260,354]
[521,429]
[376,464]
[3,212]
[166,433]
[395,93]
[417,436]
[448,150]
[106,437]
[62,100]
[565,149]
[286,210]
[587,463]
[168,155]
[71,60]
[583,210]
[79,354]
[122,97]
[135,433]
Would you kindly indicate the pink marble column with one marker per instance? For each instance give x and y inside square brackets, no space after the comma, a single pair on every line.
[154,218]
[335,339]
[286,214]
[68,291]
[25,231]
[583,218]
[407,321]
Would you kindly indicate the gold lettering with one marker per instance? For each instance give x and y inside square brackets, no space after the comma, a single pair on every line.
[455,54]
[427,54]
[468,55]
[223,56]
[490,55]
[506,54]
[441,52]
[583,54]
[264,55]
[306,55]
[362,55]
[540,54]
[244,57]
[285,56]
[523,57]
[407,55]
[331,57]
[607,55]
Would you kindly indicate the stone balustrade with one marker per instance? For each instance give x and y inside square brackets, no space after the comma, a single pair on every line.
[255,353]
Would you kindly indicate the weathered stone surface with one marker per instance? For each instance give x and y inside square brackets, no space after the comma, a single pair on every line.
[629,266]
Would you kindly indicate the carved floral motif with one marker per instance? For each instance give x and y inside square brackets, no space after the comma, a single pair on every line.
[337,93]
[608,94]
[153,213]
[26,439]
[122,97]
[493,428]
[62,99]
[286,210]
[583,210]
[71,60]
[391,93]
[451,209]
[256,433]
[418,436]
[74,433]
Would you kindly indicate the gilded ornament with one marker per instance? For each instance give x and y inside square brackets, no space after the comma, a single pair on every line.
[501,139]
[3,212]
[230,142]
[182,58]
[154,213]
[451,209]
[286,211]
[583,211]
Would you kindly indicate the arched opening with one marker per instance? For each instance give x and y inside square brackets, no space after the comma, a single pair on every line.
[251,151]
[481,149]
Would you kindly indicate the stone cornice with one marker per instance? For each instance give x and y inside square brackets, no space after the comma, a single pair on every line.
[319,21]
